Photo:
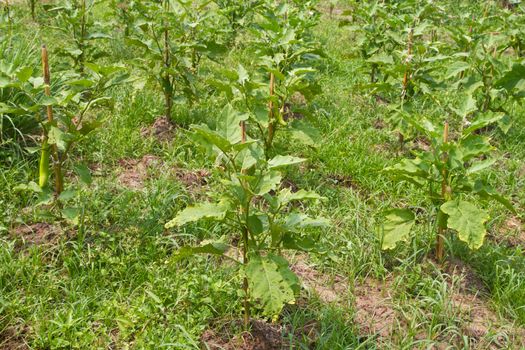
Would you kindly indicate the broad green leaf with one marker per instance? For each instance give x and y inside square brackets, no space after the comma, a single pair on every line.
[296,221]
[513,79]
[286,196]
[67,195]
[283,161]
[474,146]
[268,182]
[455,68]
[71,214]
[468,220]
[381,58]
[397,226]
[83,173]
[228,124]
[206,247]
[488,192]
[482,121]
[305,133]
[271,283]
[467,105]
[214,211]
[24,74]
[255,224]
[479,166]
[57,137]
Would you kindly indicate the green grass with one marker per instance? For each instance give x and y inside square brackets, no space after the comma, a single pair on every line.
[111,283]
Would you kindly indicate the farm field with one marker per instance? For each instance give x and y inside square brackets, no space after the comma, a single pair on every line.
[262,174]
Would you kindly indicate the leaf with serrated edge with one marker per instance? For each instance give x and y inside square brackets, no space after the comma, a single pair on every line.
[270,284]
[468,220]
[215,211]
[397,226]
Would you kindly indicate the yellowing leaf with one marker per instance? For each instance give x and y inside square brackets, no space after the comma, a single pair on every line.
[468,220]
[397,226]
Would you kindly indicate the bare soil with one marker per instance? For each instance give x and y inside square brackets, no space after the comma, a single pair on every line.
[162,130]
[10,339]
[40,233]
[262,336]
[511,233]
[375,314]
[328,289]
[135,171]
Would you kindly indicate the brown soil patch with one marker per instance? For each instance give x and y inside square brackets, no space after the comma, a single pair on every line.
[469,281]
[329,289]
[375,315]
[478,320]
[40,233]
[422,144]
[263,336]
[135,171]
[162,129]
[193,179]
[511,233]
[10,339]
[379,124]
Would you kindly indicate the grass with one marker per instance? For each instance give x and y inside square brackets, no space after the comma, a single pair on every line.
[111,282]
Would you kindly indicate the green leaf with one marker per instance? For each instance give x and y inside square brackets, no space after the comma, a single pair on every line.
[271,282]
[474,146]
[215,211]
[206,247]
[381,58]
[83,173]
[513,79]
[23,74]
[467,105]
[482,121]
[282,161]
[71,214]
[286,196]
[255,224]
[67,195]
[228,125]
[268,182]
[57,137]
[305,133]
[455,68]
[397,226]
[468,220]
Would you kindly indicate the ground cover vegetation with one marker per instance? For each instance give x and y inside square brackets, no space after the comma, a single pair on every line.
[262,174]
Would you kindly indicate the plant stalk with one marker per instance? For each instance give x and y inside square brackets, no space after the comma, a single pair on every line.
[271,114]
[168,89]
[246,321]
[57,164]
[445,196]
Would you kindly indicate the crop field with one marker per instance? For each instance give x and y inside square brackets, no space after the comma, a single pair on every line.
[262,174]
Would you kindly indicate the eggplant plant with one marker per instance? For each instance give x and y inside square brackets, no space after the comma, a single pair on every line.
[450,172]
[238,13]
[77,23]
[173,38]
[70,116]
[256,211]
[287,56]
